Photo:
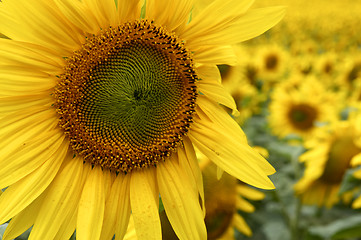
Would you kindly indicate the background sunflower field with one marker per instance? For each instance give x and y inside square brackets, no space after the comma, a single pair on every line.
[298,92]
[305,76]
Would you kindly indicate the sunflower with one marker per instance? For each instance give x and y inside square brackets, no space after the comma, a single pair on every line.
[350,76]
[329,155]
[102,103]
[271,60]
[326,66]
[303,64]
[299,105]
[353,98]
[225,199]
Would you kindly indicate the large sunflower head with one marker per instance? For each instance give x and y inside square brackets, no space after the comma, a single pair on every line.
[102,103]
[329,155]
[129,103]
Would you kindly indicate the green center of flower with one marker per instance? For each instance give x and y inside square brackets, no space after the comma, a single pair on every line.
[302,116]
[127,97]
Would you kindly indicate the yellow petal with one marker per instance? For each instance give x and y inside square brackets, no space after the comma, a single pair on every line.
[216,55]
[21,194]
[215,17]
[180,203]
[170,13]
[105,11]
[220,172]
[29,55]
[15,80]
[117,208]
[357,203]
[91,206]
[244,206]
[131,234]
[68,227]
[357,174]
[122,189]
[209,73]
[356,160]
[216,92]
[144,203]
[192,167]
[241,225]
[108,182]
[79,14]
[215,113]
[24,220]
[236,158]
[216,117]
[31,156]
[62,199]
[17,129]
[12,104]
[129,10]
[38,22]
[252,24]
[250,193]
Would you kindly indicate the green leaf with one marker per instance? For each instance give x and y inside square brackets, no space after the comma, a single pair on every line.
[353,232]
[276,229]
[349,182]
[339,229]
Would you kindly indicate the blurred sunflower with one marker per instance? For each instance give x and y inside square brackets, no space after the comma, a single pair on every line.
[271,62]
[247,100]
[353,98]
[251,73]
[351,73]
[100,111]
[356,161]
[330,153]
[326,66]
[303,64]
[298,105]
[224,196]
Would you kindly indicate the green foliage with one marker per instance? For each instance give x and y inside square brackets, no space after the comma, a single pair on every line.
[345,228]
[349,181]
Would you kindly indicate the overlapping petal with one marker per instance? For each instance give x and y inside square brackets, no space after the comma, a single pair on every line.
[91,206]
[181,203]
[144,201]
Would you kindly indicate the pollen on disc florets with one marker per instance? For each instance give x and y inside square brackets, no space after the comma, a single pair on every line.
[127,97]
